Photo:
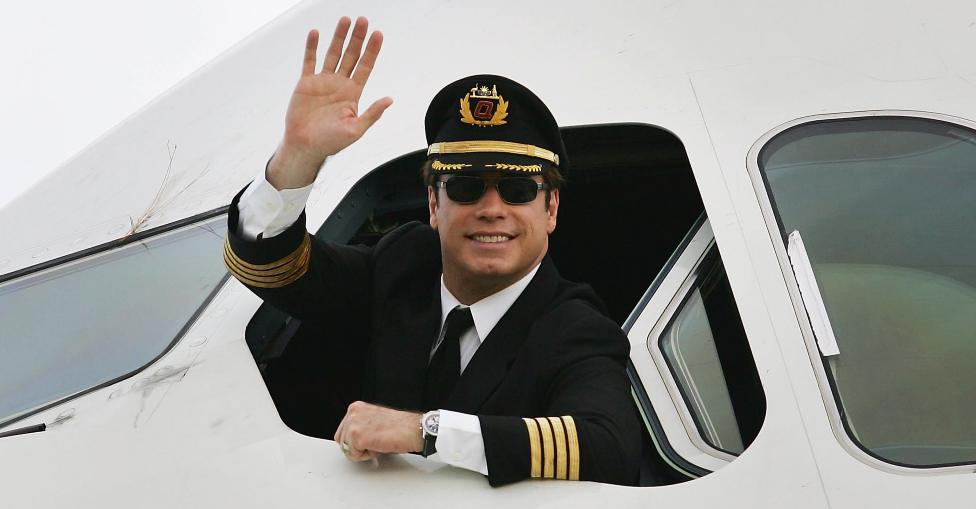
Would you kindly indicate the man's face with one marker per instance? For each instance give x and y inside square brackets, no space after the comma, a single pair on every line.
[490,243]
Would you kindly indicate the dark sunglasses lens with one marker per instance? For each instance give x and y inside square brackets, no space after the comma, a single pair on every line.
[517,189]
[465,189]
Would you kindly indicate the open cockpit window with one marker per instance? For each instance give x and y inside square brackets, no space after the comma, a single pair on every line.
[629,201]
[886,211]
[101,316]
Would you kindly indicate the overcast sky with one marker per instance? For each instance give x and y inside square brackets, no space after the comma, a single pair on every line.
[73,70]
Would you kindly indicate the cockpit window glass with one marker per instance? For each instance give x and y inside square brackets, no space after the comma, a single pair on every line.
[886,207]
[78,325]
[708,355]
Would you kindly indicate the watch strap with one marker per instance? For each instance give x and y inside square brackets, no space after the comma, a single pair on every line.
[430,445]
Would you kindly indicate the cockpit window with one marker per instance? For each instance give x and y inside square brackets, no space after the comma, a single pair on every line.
[86,322]
[707,352]
[886,207]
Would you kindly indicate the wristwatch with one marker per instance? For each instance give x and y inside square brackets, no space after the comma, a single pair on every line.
[429,424]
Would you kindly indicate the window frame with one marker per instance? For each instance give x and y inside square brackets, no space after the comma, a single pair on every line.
[102,249]
[663,301]
[777,236]
[657,336]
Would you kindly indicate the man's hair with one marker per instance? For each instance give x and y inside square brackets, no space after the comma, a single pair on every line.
[550,175]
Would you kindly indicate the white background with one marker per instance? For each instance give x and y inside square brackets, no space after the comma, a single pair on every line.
[73,70]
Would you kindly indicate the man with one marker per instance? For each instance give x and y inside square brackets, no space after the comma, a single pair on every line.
[465,339]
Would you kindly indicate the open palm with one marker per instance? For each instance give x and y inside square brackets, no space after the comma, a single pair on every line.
[323,115]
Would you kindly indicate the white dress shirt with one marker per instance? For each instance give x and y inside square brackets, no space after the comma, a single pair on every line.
[459,440]
[266,211]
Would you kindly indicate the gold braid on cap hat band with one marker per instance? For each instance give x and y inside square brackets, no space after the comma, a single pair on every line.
[507,147]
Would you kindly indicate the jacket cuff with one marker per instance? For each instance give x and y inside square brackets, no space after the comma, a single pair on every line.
[266,263]
[506,448]
[540,447]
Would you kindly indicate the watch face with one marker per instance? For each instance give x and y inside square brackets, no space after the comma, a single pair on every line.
[432,422]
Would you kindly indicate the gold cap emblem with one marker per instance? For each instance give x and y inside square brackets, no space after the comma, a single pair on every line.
[490,109]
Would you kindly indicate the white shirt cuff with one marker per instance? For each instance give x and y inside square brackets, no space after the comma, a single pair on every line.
[264,210]
[459,441]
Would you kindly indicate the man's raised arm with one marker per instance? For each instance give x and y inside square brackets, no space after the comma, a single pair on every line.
[322,119]
[323,116]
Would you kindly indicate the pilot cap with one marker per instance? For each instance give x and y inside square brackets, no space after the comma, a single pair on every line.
[491,123]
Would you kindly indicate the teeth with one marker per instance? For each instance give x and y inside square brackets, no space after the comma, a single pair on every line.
[491,238]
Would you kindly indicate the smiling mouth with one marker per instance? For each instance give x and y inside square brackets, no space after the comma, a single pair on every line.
[491,239]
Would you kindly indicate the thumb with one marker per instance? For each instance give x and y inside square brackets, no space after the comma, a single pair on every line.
[374,112]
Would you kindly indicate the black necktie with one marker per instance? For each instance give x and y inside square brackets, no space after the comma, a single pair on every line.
[445,367]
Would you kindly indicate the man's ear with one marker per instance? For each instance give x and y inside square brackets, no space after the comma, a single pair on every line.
[432,204]
[553,210]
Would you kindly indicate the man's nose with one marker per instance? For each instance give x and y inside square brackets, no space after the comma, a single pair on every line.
[491,205]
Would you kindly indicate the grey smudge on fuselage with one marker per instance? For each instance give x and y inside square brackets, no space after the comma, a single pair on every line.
[162,375]
[62,418]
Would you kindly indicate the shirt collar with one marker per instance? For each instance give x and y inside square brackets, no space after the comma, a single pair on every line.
[488,311]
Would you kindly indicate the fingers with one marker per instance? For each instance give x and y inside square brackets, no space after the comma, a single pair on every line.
[342,440]
[354,454]
[311,43]
[348,446]
[360,455]
[350,60]
[335,47]
[366,63]
[355,46]
[373,113]
[368,430]
[338,434]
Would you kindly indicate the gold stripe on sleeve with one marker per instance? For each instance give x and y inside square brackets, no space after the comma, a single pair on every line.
[233,264]
[535,451]
[574,452]
[302,247]
[560,437]
[282,277]
[276,274]
[547,452]
[276,282]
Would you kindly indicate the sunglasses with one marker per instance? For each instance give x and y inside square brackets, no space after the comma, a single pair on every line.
[512,190]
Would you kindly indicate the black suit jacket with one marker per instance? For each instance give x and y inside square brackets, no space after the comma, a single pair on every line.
[548,383]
